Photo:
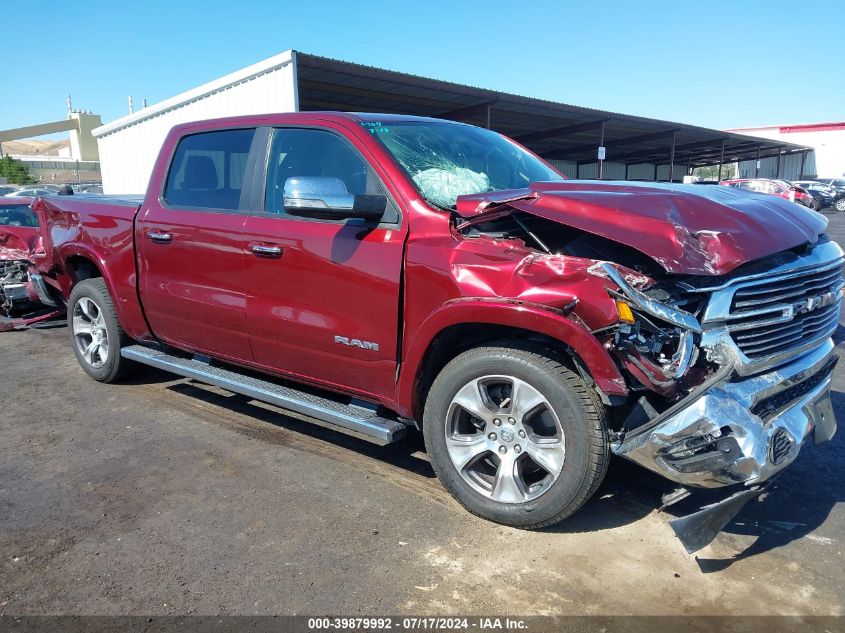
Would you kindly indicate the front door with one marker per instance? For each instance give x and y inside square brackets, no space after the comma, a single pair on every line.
[323,301]
[190,247]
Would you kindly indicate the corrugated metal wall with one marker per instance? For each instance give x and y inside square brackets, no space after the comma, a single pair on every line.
[790,166]
[127,155]
[616,171]
[566,167]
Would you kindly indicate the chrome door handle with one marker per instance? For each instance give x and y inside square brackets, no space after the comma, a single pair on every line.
[159,237]
[270,252]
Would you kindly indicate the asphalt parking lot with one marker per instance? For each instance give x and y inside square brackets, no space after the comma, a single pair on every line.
[163,496]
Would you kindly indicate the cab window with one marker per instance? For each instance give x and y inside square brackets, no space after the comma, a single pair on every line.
[302,152]
[207,171]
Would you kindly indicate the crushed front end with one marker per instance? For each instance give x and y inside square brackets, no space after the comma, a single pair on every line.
[717,308]
[768,333]
[762,337]
[25,298]
[17,294]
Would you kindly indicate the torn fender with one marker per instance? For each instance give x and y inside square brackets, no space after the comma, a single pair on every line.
[520,314]
[686,229]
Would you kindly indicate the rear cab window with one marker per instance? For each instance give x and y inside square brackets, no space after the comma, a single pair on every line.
[207,170]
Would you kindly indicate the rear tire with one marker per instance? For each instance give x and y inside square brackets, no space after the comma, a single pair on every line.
[96,335]
[515,436]
[839,205]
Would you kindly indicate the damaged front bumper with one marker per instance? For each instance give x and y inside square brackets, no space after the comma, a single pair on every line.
[739,430]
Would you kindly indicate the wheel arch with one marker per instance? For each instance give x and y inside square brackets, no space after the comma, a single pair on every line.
[79,262]
[80,267]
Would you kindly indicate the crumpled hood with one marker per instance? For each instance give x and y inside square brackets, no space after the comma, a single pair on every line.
[17,242]
[687,229]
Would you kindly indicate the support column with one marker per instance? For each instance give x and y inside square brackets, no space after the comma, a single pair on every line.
[777,170]
[626,170]
[672,159]
[757,164]
[601,143]
[800,175]
[489,116]
[721,161]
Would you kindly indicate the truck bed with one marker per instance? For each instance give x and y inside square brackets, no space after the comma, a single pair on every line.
[92,230]
[69,219]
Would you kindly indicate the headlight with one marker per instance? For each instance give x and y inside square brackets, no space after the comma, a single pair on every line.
[642,302]
[624,311]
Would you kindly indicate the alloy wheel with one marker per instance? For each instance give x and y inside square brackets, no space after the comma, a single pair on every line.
[89,332]
[504,439]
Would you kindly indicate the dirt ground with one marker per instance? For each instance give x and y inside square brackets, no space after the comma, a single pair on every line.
[163,496]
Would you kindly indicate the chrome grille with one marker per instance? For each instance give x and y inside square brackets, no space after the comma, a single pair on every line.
[765,295]
[774,316]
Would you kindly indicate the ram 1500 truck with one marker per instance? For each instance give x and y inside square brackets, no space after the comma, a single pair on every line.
[386,274]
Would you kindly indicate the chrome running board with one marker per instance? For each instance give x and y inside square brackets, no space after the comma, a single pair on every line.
[359,420]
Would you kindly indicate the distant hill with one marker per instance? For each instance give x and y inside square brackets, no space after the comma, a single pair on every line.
[34,147]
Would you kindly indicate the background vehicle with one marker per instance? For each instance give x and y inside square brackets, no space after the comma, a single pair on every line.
[91,189]
[6,189]
[779,188]
[825,195]
[33,191]
[836,183]
[19,237]
[387,274]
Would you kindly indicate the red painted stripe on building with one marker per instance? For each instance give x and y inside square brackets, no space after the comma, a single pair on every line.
[813,127]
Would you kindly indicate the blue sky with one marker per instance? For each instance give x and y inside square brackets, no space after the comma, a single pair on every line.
[712,63]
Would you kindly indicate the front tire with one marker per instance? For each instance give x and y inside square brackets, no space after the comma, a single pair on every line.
[840,204]
[96,335]
[515,436]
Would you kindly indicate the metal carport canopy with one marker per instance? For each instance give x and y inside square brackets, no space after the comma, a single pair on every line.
[556,131]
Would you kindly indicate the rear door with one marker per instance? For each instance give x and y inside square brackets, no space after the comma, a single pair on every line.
[323,303]
[190,247]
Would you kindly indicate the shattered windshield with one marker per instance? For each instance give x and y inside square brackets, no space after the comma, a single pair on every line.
[447,160]
[18,215]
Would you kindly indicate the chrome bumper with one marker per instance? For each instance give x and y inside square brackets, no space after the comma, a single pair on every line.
[744,430]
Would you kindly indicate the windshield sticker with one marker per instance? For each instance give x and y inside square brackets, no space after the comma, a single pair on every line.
[375,127]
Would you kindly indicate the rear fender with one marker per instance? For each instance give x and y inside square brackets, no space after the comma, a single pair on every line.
[122,290]
[64,235]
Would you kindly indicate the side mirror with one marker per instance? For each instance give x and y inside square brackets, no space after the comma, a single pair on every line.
[328,198]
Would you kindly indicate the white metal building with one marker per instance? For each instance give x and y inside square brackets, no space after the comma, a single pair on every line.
[827,160]
[130,145]
[636,148]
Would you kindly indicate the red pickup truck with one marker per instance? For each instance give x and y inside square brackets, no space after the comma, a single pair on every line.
[385,273]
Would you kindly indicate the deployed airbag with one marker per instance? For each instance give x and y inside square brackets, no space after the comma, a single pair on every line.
[443,186]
